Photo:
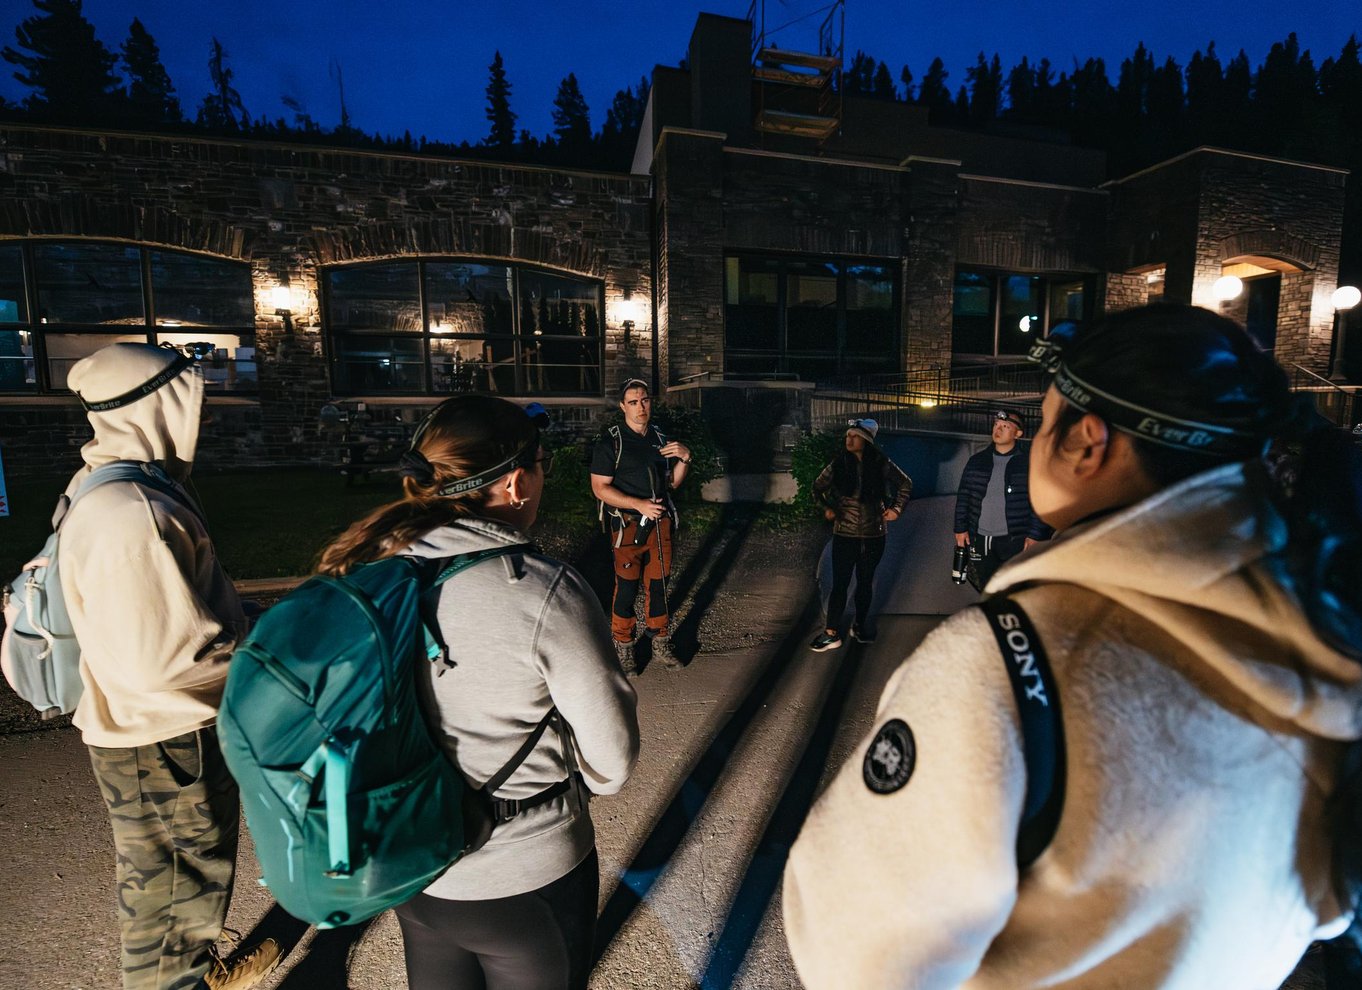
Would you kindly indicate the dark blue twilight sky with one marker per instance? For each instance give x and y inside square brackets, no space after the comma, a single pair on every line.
[422,64]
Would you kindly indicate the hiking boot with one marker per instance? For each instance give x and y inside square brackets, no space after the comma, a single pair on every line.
[863,633]
[825,641]
[624,652]
[246,970]
[662,652]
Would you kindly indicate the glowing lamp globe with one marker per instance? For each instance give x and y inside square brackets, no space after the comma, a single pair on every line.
[1227,287]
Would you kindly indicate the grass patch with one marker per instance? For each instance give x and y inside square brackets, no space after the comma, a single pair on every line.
[274,523]
[263,523]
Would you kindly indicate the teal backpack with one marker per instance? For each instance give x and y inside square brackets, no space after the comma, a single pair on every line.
[353,806]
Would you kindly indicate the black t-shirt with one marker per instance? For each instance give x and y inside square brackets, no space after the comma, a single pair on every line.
[642,472]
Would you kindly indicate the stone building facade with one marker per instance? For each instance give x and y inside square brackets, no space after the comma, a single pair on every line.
[293,214]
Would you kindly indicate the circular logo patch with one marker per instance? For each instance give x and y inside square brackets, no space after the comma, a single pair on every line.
[890,759]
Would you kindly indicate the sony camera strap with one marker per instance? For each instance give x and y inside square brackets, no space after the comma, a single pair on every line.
[1033,686]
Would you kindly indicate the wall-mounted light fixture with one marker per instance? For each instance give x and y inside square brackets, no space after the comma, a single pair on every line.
[1345,297]
[629,312]
[281,298]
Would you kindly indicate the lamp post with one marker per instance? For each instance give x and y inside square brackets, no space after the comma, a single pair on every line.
[1345,297]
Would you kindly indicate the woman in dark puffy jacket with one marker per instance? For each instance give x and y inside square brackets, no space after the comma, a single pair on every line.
[860,491]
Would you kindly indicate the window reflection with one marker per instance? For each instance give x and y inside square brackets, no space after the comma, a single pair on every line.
[194,291]
[92,284]
[92,294]
[474,326]
[1002,313]
[811,318]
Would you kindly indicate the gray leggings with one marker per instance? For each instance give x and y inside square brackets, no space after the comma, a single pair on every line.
[541,940]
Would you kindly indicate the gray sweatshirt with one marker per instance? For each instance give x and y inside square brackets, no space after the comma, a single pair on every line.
[526,633]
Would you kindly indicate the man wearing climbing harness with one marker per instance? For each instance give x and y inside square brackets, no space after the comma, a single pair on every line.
[633,469]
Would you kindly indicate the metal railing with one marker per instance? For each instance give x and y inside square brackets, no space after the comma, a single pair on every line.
[1339,404]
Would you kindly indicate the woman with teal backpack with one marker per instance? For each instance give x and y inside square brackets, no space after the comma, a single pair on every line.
[529,675]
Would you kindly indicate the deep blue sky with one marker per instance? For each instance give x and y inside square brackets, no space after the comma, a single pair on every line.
[422,64]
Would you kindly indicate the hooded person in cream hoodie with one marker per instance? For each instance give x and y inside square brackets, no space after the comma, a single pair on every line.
[1202,626]
[156,618]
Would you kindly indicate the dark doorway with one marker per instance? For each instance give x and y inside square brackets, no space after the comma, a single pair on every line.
[1261,319]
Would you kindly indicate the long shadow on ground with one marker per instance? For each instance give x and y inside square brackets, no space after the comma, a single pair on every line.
[737,520]
[768,862]
[657,850]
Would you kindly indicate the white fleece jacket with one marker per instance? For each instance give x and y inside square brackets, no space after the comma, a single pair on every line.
[155,614]
[526,634]
[1202,717]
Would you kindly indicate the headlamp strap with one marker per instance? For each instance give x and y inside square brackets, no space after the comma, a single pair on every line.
[1153,426]
[170,372]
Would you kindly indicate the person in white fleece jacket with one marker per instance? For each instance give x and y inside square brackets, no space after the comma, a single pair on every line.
[1200,610]
[156,619]
[529,649]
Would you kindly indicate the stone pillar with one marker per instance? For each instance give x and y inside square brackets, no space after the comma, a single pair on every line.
[932,208]
[690,255]
[1121,291]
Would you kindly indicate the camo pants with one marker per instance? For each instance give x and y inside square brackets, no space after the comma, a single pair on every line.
[174,810]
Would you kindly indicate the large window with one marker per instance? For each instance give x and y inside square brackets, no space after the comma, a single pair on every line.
[813,318]
[1002,313]
[447,326]
[63,300]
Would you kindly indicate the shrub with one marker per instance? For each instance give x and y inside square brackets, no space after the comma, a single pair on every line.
[811,454]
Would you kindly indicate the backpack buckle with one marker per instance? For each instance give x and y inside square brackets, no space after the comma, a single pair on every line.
[505,808]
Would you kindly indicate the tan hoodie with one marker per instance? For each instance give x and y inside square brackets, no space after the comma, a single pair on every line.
[1200,712]
[155,614]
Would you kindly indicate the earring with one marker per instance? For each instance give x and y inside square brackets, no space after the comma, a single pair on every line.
[518,503]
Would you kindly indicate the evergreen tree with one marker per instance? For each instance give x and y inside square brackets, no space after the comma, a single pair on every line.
[222,108]
[1021,91]
[883,86]
[1205,91]
[934,94]
[985,89]
[906,77]
[151,97]
[68,69]
[623,121]
[499,115]
[571,116]
[859,80]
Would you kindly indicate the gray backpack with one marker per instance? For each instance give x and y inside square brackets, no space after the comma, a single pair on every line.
[38,651]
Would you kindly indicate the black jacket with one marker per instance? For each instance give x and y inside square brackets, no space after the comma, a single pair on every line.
[974,486]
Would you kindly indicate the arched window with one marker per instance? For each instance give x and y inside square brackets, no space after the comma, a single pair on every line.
[62,300]
[443,326]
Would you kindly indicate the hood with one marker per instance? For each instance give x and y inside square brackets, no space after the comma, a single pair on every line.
[465,536]
[162,425]
[1195,560]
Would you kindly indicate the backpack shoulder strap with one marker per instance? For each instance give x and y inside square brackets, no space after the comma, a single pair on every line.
[617,439]
[1033,686]
[139,473]
[436,647]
